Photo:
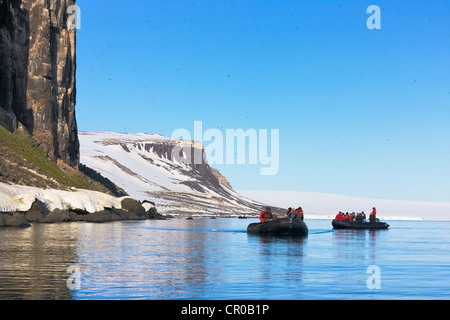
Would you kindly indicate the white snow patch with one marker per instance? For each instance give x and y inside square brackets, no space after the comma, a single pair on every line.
[15,198]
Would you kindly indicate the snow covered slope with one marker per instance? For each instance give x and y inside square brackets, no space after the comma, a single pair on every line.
[142,164]
[326,206]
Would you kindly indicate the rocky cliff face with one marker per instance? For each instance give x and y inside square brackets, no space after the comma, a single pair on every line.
[37,74]
[200,169]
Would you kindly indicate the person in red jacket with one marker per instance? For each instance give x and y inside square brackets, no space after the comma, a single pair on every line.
[266,215]
[373,215]
[339,216]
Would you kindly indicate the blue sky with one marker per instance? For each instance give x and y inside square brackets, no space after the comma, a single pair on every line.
[360,112]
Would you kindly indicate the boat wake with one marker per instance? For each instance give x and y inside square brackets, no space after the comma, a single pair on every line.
[320,231]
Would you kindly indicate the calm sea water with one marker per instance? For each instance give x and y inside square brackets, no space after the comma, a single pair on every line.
[216,259]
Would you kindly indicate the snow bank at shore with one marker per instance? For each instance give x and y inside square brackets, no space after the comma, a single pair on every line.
[16,198]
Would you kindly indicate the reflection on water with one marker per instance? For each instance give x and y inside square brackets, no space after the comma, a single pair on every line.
[181,259]
[359,245]
[217,259]
[281,261]
[34,261]
[137,258]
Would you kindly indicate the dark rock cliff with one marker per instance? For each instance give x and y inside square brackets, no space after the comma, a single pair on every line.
[201,171]
[37,74]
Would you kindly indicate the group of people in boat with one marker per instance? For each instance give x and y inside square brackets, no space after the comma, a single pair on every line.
[292,213]
[266,215]
[357,217]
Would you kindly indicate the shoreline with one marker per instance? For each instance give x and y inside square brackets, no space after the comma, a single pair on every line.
[39,213]
[22,205]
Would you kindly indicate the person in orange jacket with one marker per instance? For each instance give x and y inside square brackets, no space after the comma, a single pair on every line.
[266,215]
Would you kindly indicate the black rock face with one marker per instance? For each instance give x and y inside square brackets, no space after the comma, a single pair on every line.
[37,74]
